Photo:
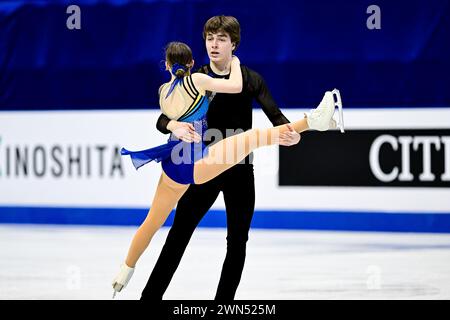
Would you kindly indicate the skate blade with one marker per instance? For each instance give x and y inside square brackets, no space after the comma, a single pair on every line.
[117,288]
[338,103]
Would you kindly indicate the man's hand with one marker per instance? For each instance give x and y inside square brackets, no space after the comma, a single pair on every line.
[184,131]
[289,138]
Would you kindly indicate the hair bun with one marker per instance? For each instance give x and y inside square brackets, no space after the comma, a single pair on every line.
[180,72]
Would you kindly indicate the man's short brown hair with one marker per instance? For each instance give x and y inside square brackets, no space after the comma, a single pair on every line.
[227,24]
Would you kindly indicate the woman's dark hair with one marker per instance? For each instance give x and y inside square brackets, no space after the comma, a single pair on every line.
[179,53]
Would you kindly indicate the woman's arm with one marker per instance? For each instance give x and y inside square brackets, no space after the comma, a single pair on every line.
[232,85]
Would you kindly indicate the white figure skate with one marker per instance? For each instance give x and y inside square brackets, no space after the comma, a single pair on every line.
[338,103]
[121,280]
[321,118]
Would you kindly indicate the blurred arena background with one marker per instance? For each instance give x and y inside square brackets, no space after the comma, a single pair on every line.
[374,202]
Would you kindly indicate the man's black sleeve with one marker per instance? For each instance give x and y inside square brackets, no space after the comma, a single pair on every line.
[265,99]
[162,123]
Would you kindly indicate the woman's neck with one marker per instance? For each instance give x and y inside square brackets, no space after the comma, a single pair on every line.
[173,77]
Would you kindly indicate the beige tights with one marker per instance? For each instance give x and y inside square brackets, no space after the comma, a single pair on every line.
[232,150]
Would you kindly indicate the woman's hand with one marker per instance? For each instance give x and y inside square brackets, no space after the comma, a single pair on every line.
[184,131]
[289,138]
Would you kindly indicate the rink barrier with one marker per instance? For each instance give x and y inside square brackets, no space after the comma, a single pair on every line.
[262,219]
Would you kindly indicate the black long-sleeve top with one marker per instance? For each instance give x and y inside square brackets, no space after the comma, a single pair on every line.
[234,111]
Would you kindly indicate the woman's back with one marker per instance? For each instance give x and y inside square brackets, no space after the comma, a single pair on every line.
[185,102]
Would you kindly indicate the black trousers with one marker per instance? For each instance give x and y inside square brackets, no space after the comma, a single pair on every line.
[238,187]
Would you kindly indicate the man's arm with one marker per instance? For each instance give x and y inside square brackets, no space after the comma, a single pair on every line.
[265,99]
[182,130]
[270,108]
[162,123]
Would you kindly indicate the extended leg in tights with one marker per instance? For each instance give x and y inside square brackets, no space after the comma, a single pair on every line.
[232,150]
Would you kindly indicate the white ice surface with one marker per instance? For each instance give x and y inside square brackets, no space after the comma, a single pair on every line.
[79,262]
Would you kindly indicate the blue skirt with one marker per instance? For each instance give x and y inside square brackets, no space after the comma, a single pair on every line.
[177,158]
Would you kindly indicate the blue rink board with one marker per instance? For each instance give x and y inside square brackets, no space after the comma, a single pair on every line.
[293,220]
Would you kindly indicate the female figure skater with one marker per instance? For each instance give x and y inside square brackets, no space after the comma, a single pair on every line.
[184,98]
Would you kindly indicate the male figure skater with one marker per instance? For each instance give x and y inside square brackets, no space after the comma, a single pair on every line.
[226,111]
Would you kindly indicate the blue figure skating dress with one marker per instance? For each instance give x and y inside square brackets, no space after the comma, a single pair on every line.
[178,157]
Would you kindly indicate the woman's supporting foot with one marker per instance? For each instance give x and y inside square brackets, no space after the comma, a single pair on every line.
[121,280]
